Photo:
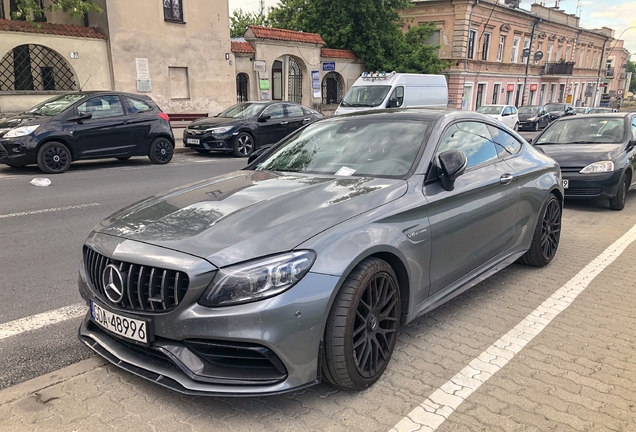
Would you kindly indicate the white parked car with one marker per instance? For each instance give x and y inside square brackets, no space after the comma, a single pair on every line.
[507,114]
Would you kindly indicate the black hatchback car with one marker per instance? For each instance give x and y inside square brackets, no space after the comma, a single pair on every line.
[246,126]
[597,155]
[558,110]
[86,125]
[533,118]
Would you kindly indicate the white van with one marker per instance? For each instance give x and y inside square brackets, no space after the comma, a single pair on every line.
[394,90]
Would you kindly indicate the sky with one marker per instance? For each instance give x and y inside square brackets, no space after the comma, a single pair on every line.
[616,14]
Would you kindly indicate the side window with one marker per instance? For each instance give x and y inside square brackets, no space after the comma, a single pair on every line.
[102,107]
[294,110]
[136,106]
[398,93]
[505,143]
[513,110]
[634,128]
[507,111]
[276,111]
[473,139]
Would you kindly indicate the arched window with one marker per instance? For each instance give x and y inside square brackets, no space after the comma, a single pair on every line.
[35,68]
[242,87]
[295,81]
[332,88]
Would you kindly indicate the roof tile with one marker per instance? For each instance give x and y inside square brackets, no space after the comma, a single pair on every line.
[337,53]
[52,29]
[286,35]
[243,47]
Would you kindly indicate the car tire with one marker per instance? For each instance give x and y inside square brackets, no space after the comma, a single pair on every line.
[364,321]
[244,145]
[123,158]
[202,151]
[618,201]
[536,127]
[516,127]
[161,151]
[54,158]
[547,233]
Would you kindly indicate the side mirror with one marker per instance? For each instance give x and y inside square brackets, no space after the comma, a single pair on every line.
[631,144]
[83,116]
[264,118]
[393,103]
[452,164]
[257,153]
[506,114]
[529,140]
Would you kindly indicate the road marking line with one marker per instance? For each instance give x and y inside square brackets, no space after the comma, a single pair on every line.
[431,413]
[50,210]
[44,319]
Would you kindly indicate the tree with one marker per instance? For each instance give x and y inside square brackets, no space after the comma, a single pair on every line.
[240,20]
[631,67]
[30,10]
[372,29]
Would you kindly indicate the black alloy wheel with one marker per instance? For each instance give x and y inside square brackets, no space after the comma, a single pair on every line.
[161,151]
[243,145]
[547,234]
[618,201]
[363,326]
[536,126]
[54,158]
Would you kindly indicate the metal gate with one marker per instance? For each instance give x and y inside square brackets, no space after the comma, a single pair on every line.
[331,89]
[242,91]
[295,82]
[35,68]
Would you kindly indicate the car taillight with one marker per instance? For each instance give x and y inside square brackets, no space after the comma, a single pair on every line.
[164,116]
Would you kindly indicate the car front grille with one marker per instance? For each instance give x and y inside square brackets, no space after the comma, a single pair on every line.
[3,152]
[148,289]
[583,191]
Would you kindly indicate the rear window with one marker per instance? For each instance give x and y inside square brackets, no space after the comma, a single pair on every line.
[137,106]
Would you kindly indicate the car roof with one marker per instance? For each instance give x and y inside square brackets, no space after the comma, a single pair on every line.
[102,92]
[599,115]
[424,114]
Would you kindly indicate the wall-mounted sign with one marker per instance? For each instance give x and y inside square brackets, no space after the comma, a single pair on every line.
[265,95]
[511,87]
[534,87]
[315,83]
[329,66]
[263,75]
[144,85]
[263,84]
[143,70]
[538,55]
[260,65]
[74,54]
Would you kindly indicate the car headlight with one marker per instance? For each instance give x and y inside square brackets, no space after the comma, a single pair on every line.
[531,119]
[219,129]
[598,167]
[21,131]
[257,280]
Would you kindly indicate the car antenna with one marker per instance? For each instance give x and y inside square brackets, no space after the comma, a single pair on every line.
[82,87]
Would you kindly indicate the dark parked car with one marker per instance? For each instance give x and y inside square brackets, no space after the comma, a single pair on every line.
[86,125]
[597,155]
[246,126]
[533,118]
[303,266]
[582,110]
[601,111]
[558,110]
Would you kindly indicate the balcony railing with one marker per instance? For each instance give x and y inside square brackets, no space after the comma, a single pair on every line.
[609,72]
[565,68]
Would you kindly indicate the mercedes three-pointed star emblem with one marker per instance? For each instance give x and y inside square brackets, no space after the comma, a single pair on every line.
[113,282]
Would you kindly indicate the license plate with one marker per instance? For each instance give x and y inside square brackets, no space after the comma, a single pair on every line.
[566,184]
[128,328]
[193,141]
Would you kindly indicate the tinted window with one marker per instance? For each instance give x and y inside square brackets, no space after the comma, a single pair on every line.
[362,146]
[634,128]
[505,143]
[276,111]
[294,110]
[56,105]
[473,139]
[585,130]
[102,107]
[242,110]
[137,106]
[507,110]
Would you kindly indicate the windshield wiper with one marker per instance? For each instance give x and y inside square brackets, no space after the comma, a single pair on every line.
[361,105]
[344,103]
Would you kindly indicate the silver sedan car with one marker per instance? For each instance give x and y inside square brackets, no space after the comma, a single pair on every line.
[303,266]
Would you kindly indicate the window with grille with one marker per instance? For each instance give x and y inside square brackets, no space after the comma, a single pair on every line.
[35,68]
[172,10]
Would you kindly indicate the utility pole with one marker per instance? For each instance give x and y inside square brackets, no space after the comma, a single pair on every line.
[600,66]
[525,79]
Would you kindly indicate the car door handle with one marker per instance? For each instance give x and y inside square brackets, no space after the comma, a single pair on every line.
[506,179]
[306,120]
[284,123]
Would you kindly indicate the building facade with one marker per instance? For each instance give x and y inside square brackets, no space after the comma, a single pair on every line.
[176,51]
[501,54]
[275,64]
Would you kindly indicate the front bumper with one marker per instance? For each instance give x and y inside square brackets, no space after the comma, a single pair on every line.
[586,186]
[286,330]
[208,141]
[527,125]
[17,152]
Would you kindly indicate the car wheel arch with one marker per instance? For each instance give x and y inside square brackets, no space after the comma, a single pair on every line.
[166,136]
[58,140]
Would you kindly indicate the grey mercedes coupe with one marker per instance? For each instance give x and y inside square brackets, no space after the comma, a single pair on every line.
[303,266]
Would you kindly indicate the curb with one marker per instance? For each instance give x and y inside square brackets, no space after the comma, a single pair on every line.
[53,378]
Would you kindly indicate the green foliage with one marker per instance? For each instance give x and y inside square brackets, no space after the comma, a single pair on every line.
[631,67]
[30,10]
[370,28]
[240,20]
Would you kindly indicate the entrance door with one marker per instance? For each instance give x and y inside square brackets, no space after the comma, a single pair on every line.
[242,88]
[295,82]
[468,97]
[480,95]
[277,80]
[519,99]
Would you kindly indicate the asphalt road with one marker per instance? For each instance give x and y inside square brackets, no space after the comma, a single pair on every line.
[42,230]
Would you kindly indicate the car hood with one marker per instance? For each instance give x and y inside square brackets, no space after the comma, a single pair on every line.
[349,110]
[580,155]
[524,117]
[207,122]
[6,124]
[248,214]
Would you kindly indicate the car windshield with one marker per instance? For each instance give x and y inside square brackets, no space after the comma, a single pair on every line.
[528,110]
[491,109]
[585,131]
[242,110]
[56,105]
[600,111]
[555,107]
[362,146]
[365,96]
[580,110]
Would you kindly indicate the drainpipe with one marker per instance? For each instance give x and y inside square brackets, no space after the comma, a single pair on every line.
[470,24]
[525,79]
[600,66]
